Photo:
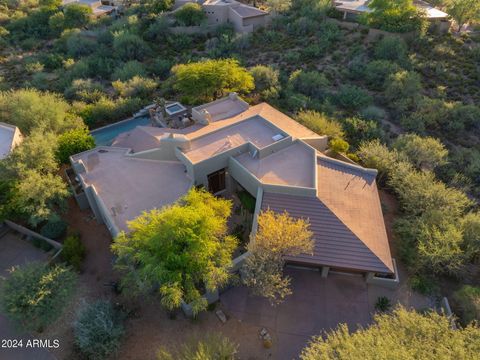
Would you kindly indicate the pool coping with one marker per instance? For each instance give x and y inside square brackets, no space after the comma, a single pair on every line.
[116,123]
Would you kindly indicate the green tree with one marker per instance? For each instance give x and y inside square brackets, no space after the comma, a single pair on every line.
[395,16]
[98,330]
[339,146]
[190,14]
[209,79]
[38,196]
[310,83]
[463,11]
[278,235]
[36,152]
[470,225]
[351,97]
[183,248]
[73,142]
[77,16]
[426,153]
[34,294]
[403,89]
[358,130]
[320,123]
[267,81]
[402,334]
[212,346]
[29,109]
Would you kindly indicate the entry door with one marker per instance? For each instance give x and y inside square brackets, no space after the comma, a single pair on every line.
[216,181]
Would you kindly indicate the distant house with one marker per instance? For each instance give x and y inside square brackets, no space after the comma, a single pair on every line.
[244,18]
[352,8]
[230,147]
[10,137]
[98,9]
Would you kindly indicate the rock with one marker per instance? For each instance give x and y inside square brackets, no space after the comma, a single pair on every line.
[220,314]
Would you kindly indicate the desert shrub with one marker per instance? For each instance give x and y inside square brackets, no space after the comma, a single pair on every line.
[129,70]
[212,346]
[402,90]
[79,45]
[372,112]
[426,153]
[190,14]
[106,110]
[339,146]
[266,79]
[73,142]
[358,130]
[35,294]
[161,67]
[470,225]
[310,83]
[351,97]
[424,284]
[391,48]
[468,300]
[137,86]
[84,90]
[129,46]
[54,229]
[377,71]
[73,251]
[320,123]
[76,16]
[98,330]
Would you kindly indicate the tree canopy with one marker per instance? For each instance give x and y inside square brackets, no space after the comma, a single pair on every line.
[395,16]
[463,11]
[210,79]
[401,335]
[278,235]
[184,248]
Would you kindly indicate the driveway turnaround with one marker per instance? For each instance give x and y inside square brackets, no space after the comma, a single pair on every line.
[317,304]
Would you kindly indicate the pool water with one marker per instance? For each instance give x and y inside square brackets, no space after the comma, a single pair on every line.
[105,136]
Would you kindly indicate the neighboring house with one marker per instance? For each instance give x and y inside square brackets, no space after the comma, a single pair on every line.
[244,18]
[232,146]
[98,9]
[10,137]
[352,8]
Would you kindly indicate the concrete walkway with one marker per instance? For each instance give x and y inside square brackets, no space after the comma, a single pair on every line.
[317,304]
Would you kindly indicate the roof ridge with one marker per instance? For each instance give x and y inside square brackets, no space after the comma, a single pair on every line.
[326,158]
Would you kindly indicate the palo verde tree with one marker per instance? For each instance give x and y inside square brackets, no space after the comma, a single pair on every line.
[402,334]
[210,79]
[182,248]
[278,235]
[464,11]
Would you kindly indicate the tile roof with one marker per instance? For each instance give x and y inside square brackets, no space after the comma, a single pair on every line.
[346,218]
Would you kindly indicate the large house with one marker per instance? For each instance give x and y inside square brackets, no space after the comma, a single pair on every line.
[10,137]
[244,18]
[232,146]
[352,8]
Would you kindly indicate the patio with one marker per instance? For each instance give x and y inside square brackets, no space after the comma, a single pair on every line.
[316,304]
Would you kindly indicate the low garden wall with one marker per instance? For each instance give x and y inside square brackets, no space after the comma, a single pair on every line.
[23,230]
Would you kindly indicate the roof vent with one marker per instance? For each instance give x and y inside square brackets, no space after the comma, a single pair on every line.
[277,137]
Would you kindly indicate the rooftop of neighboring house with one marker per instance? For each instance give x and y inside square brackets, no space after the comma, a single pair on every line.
[10,137]
[156,166]
[243,10]
[360,6]
[96,5]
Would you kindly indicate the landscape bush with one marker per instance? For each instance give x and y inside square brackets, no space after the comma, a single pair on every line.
[320,123]
[98,330]
[143,88]
[129,70]
[35,294]
[73,251]
[267,81]
[391,48]
[358,130]
[73,142]
[338,146]
[468,300]
[377,71]
[309,83]
[351,97]
[54,229]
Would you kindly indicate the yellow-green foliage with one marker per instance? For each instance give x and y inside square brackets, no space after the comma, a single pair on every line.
[182,248]
[398,336]
[320,123]
[209,79]
[468,300]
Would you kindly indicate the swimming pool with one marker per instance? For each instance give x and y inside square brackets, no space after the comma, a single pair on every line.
[104,136]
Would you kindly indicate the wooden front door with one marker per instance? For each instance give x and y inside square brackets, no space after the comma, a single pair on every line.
[216,181]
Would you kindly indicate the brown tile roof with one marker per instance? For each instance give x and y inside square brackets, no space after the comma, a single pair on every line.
[346,218]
